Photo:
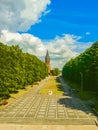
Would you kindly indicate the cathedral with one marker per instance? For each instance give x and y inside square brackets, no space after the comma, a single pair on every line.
[47,61]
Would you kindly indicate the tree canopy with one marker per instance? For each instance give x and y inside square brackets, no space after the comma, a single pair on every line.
[55,71]
[18,69]
[87,65]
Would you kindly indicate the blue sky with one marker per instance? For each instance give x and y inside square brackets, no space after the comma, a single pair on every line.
[69,17]
[65,27]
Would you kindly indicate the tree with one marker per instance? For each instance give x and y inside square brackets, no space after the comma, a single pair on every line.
[55,72]
[18,69]
[87,63]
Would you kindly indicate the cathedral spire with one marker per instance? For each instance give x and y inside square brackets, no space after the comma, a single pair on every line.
[47,55]
[47,61]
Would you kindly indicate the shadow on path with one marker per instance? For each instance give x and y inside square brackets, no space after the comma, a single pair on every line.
[72,101]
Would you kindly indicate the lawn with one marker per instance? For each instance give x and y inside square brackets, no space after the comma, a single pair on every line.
[96,104]
[86,95]
[52,85]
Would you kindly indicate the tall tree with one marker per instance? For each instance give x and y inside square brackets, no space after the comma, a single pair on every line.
[85,64]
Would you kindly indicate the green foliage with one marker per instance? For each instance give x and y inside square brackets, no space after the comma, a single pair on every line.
[55,72]
[18,69]
[87,64]
[96,105]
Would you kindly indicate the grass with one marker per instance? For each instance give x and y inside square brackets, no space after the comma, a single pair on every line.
[87,95]
[52,85]
[84,95]
[96,104]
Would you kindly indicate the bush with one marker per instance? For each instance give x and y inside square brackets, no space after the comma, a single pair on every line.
[55,72]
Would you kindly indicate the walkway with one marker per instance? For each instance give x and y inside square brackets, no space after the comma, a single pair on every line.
[47,127]
[41,109]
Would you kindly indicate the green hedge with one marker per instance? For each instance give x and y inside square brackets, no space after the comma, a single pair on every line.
[18,69]
[84,67]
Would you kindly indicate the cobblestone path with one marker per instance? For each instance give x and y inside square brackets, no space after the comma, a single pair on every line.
[35,108]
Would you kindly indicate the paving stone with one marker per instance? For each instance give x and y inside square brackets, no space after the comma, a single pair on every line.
[40,116]
[39,107]
[42,110]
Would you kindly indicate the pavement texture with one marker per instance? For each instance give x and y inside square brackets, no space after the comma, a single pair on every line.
[47,112]
[47,127]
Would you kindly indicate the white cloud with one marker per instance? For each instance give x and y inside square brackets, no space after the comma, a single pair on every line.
[88,33]
[47,12]
[83,46]
[19,15]
[27,42]
[61,49]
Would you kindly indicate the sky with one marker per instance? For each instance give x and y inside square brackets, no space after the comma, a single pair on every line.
[65,27]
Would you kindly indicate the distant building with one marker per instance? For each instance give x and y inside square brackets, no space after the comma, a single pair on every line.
[47,61]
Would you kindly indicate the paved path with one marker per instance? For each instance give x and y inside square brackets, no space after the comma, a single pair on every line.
[47,127]
[35,108]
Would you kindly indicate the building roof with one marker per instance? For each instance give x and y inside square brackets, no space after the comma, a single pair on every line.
[47,55]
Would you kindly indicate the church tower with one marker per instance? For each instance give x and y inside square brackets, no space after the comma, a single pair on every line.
[47,61]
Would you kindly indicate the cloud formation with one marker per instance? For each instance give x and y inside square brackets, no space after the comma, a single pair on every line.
[88,33]
[61,49]
[19,15]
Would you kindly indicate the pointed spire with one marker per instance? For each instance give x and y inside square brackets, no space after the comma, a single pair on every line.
[47,61]
[47,55]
